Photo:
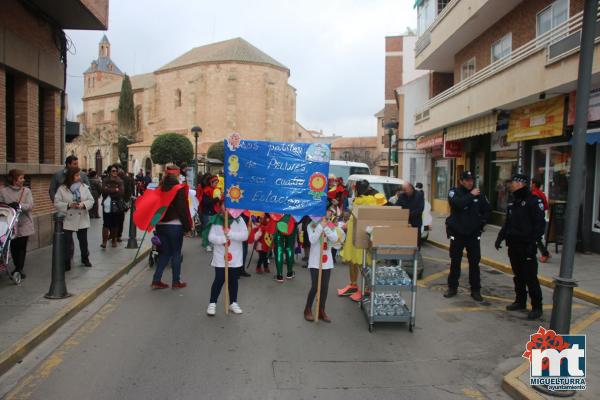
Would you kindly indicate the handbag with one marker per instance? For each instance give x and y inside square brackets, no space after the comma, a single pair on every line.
[118,206]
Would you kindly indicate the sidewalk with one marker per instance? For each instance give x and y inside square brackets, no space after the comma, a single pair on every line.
[586,267]
[24,309]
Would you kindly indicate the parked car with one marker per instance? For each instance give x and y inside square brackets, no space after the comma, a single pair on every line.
[343,169]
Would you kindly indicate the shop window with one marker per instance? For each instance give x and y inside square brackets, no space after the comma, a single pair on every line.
[502,48]
[442,179]
[596,219]
[10,118]
[551,164]
[41,123]
[467,69]
[552,16]
[502,172]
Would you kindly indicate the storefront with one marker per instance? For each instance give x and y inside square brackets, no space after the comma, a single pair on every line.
[503,165]
[441,170]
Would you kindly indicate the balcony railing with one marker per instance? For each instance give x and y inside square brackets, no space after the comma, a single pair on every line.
[560,42]
[425,39]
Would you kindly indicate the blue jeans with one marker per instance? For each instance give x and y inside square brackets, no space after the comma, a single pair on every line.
[171,239]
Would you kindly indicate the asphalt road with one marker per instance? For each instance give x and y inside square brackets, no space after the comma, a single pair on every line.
[146,344]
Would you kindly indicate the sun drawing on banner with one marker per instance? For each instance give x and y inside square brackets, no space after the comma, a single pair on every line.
[317,183]
[235,193]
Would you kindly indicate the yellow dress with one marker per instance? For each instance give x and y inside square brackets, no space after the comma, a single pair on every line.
[351,254]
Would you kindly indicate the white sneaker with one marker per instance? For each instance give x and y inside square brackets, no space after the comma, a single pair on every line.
[235,308]
[212,309]
[208,249]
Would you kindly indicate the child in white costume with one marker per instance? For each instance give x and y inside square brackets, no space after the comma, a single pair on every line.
[315,231]
[235,236]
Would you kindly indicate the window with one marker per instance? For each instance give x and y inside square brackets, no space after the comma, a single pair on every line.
[502,48]
[10,118]
[346,155]
[367,156]
[552,16]
[41,124]
[467,69]
[425,15]
[138,118]
[442,179]
[177,98]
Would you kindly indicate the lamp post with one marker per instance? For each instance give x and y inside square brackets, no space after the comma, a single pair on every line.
[196,131]
[390,126]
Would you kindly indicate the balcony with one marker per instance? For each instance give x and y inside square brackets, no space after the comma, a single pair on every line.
[76,14]
[454,27]
[547,64]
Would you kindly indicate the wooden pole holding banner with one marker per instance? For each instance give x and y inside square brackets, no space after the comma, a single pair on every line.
[319,279]
[225,228]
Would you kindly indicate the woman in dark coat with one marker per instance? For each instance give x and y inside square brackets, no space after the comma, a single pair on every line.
[112,194]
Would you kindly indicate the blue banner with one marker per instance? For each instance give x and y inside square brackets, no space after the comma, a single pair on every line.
[278,177]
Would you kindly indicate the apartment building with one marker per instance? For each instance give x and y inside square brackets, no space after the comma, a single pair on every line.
[502,100]
[33,59]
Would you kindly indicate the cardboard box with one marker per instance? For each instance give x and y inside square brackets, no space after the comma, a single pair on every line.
[394,218]
[403,236]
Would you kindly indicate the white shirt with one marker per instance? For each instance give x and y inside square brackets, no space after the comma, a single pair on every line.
[238,233]
[314,235]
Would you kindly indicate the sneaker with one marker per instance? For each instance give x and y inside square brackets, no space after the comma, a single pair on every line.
[179,285]
[347,291]
[235,308]
[544,259]
[515,306]
[159,285]
[291,275]
[211,309]
[279,278]
[208,249]
[535,314]
[477,296]
[259,270]
[86,262]
[267,270]
[356,296]
[450,293]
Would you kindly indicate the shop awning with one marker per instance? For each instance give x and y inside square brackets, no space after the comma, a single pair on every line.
[475,127]
[590,138]
[429,141]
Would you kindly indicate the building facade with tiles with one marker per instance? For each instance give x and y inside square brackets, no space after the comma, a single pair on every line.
[33,56]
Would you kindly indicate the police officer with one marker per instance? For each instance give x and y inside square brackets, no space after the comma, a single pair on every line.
[469,212]
[524,225]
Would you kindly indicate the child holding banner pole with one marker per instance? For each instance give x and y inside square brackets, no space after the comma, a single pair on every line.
[227,237]
[320,263]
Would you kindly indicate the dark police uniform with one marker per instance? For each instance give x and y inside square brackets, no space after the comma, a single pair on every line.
[524,224]
[468,216]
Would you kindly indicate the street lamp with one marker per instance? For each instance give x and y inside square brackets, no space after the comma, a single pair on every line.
[390,126]
[196,131]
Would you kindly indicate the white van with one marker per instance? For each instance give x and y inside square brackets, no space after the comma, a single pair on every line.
[343,169]
[389,186]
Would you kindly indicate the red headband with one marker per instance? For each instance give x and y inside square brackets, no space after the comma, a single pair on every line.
[173,171]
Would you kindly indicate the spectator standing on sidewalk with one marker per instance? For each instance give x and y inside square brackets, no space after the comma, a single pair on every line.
[128,189]
[112,195]
[523,227]
[412,200]
[16,194]
[175,223]
[59,177]
[537,191]
[96,190]
[469,212]
[74,199]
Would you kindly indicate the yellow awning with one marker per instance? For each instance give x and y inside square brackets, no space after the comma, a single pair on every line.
[475,127]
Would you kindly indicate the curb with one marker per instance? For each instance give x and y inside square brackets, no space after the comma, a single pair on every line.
[544,280]
[27,343]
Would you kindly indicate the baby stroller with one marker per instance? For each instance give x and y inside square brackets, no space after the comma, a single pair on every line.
[9,217]
[155,251]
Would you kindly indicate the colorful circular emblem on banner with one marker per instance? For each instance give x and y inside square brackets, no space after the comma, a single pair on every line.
[317,184]
[235,193]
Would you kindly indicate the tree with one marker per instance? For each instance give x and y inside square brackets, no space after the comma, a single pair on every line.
[125,120]
[171,148]
[216,151]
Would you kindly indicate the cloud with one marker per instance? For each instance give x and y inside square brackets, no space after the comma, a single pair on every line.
[334,48]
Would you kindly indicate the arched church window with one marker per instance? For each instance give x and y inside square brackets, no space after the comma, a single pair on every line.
[177,98]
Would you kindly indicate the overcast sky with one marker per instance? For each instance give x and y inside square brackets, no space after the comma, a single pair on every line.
[334,48]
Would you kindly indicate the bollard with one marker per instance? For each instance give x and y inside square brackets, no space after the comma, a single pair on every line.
[58,286]
[132,241]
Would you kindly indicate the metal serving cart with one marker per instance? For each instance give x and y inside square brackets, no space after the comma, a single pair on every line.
[382,299]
